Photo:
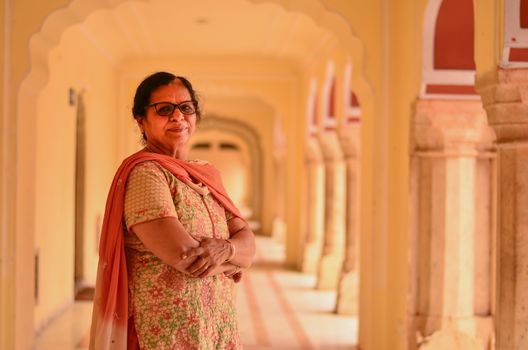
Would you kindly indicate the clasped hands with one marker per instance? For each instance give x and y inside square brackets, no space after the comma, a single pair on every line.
[208,259]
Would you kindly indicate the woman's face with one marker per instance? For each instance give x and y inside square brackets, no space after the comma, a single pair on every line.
[171,133]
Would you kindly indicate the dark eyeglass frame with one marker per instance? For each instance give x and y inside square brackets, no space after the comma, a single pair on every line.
[174,105]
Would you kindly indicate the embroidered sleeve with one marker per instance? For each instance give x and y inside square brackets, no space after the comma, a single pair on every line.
[147,195]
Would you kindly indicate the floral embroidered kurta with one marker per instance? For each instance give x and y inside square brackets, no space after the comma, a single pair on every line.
[171,310]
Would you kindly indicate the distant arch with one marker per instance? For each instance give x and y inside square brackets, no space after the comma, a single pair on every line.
[252,140]
[329,87]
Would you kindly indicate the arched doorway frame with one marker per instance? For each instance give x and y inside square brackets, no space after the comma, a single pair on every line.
[19,169]
[251,140]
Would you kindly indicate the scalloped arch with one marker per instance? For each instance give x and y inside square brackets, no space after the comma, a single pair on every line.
[78,10]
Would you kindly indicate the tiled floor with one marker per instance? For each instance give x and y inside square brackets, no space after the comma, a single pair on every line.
[278,309]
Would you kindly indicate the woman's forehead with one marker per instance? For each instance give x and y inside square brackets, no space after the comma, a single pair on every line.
[174,89]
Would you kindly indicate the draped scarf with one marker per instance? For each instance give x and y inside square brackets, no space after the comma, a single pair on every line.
[111,327]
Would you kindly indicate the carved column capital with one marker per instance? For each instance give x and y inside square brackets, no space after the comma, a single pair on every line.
[330,147]
[450,126]
[506,104]
[350,140]
[313,151]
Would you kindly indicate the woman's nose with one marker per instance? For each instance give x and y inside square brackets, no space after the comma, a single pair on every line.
[176,115]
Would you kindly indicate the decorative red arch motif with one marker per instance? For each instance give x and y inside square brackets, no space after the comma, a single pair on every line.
[454,36]
[331,100]
[524,14]
[449,65]
[354,109]
[354,100]
[312,126]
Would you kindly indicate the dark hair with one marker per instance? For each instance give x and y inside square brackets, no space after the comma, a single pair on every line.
[151,83]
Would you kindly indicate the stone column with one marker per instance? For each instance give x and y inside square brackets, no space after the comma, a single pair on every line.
[506,104]
[315,186]
[348,288]
[279,220]
[451,226]
[334,225]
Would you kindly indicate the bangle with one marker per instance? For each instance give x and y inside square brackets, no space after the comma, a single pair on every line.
[237,276]
[232,250]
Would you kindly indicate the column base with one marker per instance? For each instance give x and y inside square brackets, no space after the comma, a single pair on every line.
[348,294]
[278,231]
[329,271]
[471,333]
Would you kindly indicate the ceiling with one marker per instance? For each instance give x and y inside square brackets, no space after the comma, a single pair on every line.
[204,28]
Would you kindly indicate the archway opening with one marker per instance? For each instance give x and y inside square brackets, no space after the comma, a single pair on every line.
[102,37]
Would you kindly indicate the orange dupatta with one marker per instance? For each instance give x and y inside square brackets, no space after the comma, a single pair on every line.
[110,320]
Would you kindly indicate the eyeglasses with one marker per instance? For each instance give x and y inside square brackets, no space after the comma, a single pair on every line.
[166,108]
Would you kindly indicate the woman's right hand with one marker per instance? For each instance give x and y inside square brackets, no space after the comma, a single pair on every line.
[184,264]
[211,253]
[229,270]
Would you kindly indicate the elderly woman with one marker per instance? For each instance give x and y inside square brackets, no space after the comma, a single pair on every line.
[173,243]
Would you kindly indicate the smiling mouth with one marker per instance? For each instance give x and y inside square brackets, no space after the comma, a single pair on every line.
[178,129]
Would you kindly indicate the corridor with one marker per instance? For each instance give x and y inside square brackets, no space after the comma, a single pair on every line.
[277,308]
[384,142]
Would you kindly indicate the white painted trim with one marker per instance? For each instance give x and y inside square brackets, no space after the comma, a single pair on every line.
[330,124]
[350,111]
[450,77]
[353,112]
[513,30]
[328,120]
[347,89]
[429,26]
[310,108]
[512,25]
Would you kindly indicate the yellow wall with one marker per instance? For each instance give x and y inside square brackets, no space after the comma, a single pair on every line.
[73,64]
[489,39]
[7,242]
[402,81]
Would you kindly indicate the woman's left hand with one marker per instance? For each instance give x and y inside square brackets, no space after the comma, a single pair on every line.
[211,253]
